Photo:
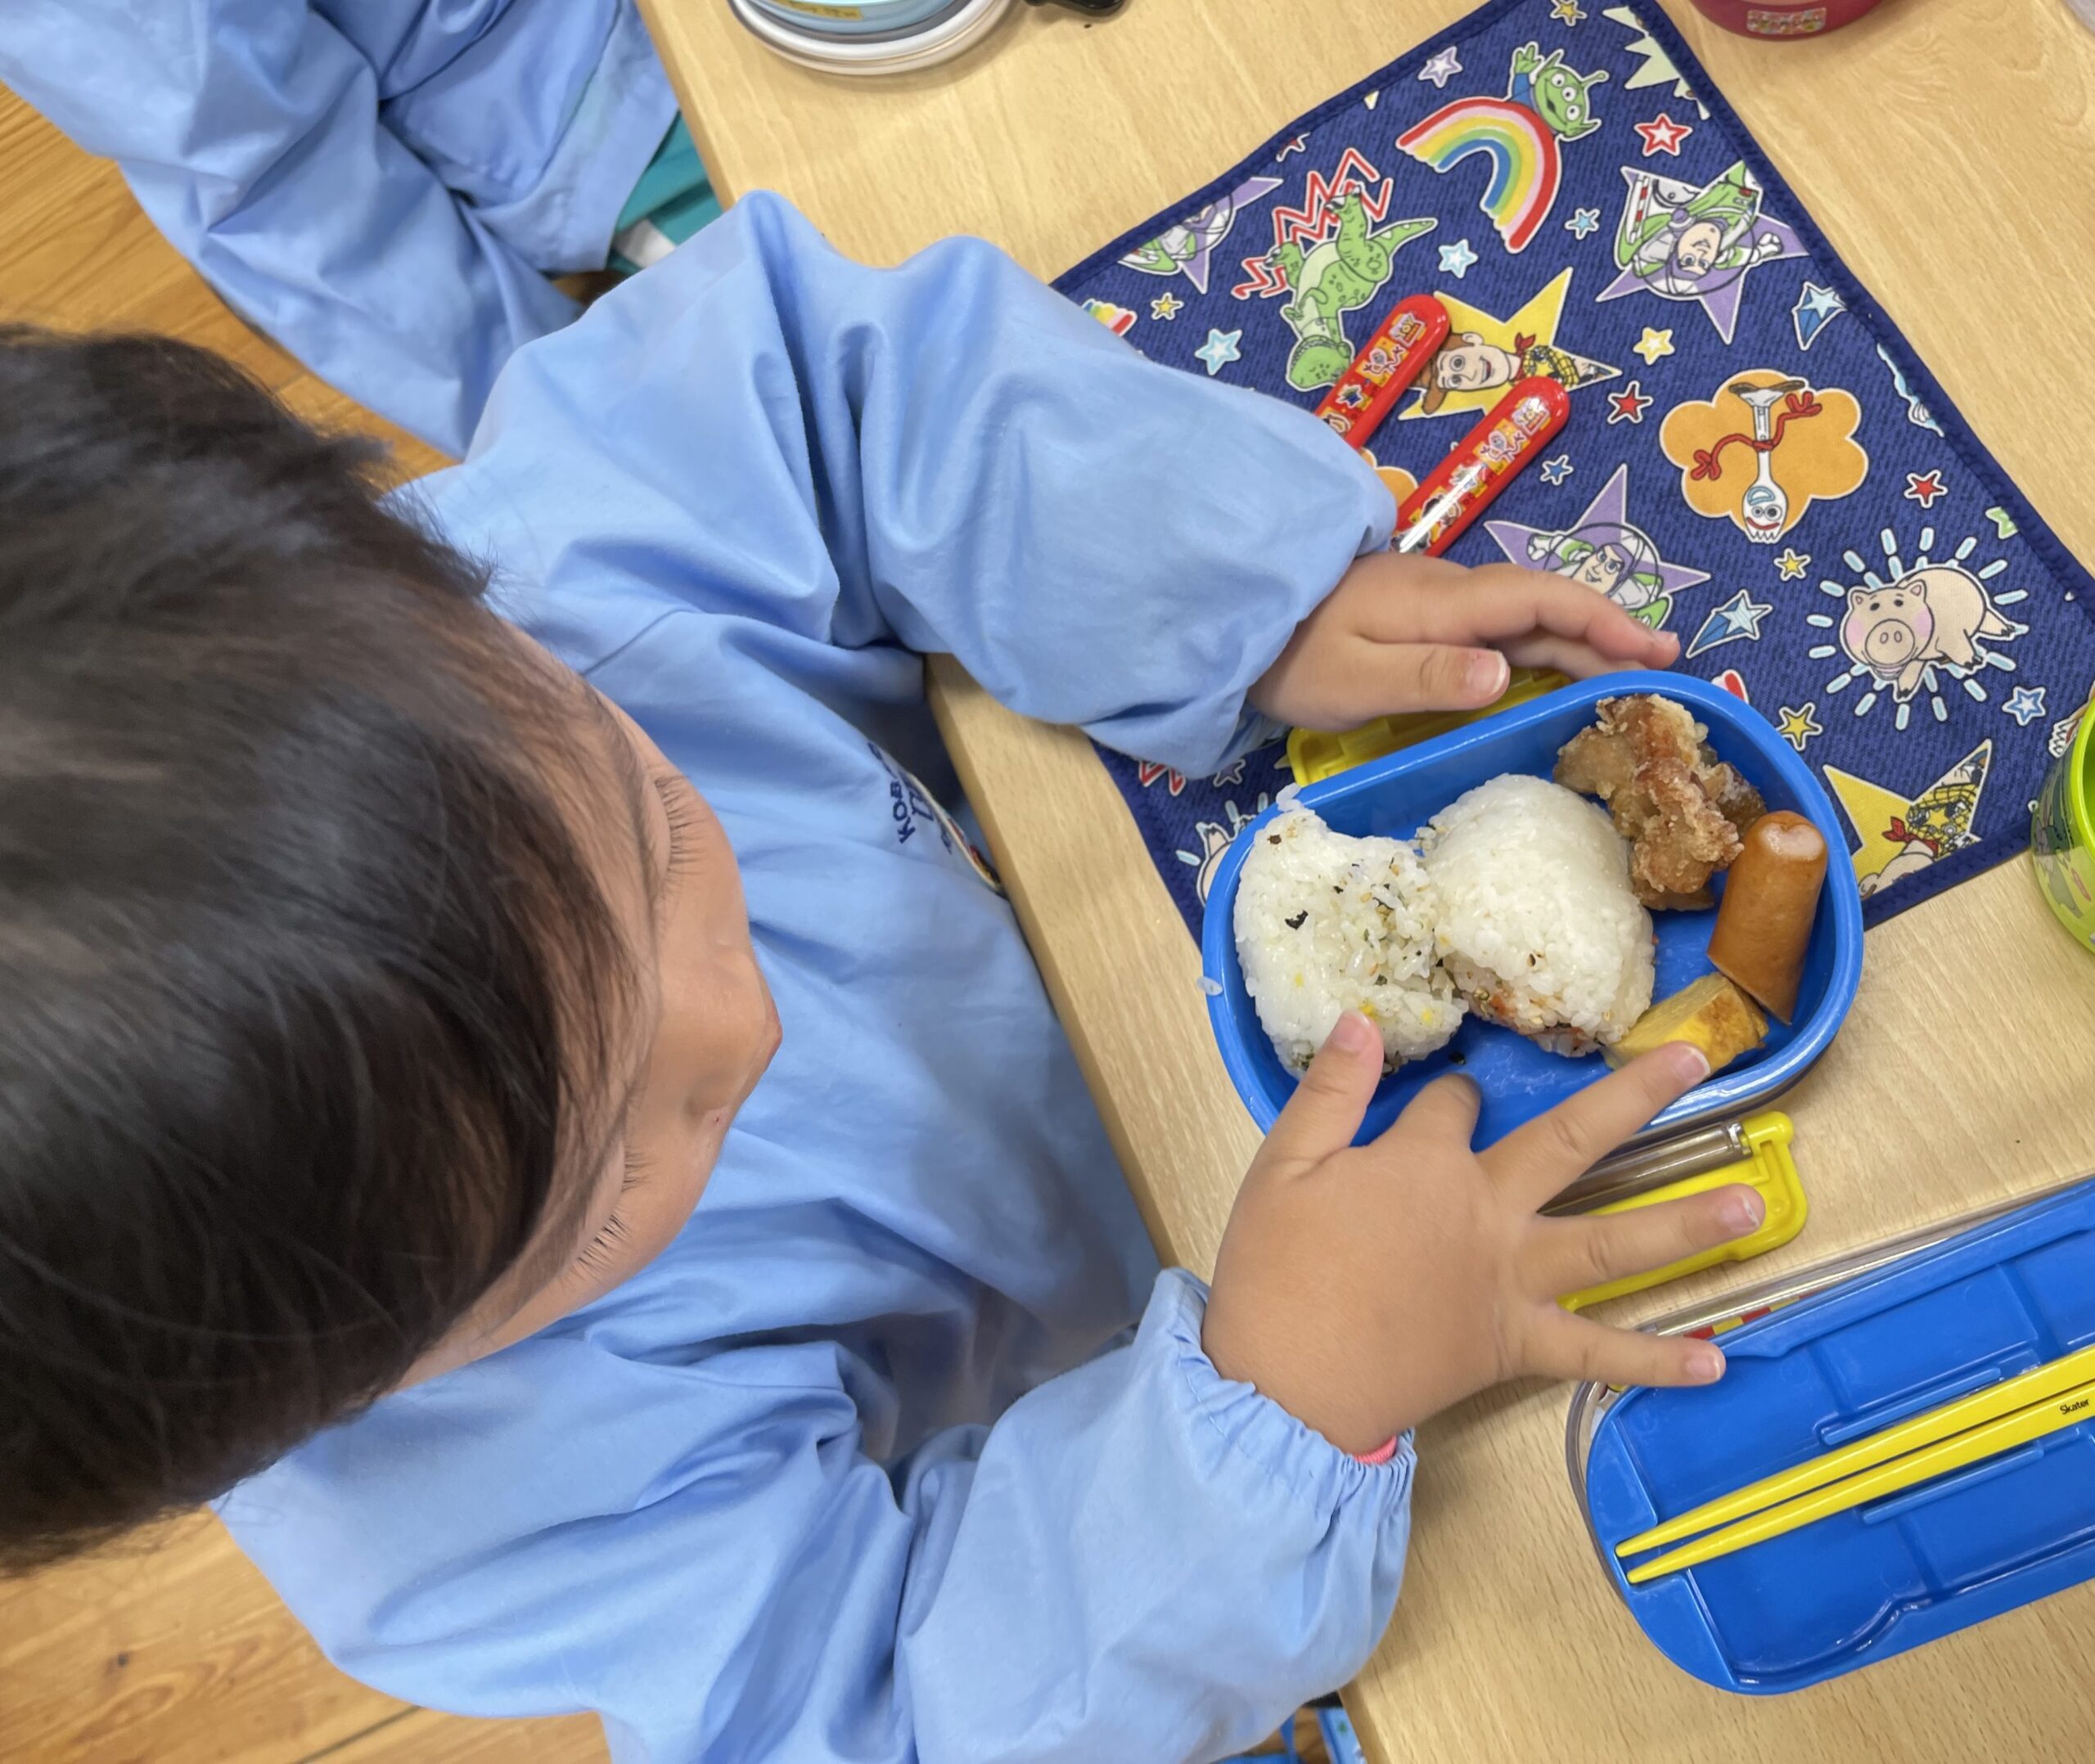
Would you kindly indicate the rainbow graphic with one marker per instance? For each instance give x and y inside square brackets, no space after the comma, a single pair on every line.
[1116,319]
[1524,162]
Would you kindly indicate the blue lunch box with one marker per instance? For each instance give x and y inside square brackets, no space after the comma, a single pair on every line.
[1959,1313]
[1399,793]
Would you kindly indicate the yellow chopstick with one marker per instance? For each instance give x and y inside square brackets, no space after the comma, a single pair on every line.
[2019,1392]
[1954,1453]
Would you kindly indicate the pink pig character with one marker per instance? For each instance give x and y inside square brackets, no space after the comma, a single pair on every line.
[1937,614]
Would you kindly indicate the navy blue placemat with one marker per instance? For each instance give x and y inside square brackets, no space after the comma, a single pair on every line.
[1564,176]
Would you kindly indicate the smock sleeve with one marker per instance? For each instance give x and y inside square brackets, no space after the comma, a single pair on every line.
[1139,1560]
[252,132]
[947,456]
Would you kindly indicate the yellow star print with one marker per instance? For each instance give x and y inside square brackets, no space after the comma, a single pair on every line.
[1792,563]
[1653,345]
[1798,725]
[1537,321]
[1916,828]
[1166,306]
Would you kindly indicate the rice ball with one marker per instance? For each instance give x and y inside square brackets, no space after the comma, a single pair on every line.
[1326,924]
[1539,926]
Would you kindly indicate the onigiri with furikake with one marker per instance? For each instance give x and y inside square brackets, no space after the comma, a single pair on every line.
[1326,924]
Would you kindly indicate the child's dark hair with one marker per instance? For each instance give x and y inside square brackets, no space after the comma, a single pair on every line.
[303,977]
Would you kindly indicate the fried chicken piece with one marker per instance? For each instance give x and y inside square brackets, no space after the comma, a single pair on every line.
[1736,800]
[1682,808]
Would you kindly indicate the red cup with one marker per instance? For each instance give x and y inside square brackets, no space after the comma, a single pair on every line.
[1784,19]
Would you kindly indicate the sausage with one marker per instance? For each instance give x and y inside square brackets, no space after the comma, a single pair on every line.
[1771,896]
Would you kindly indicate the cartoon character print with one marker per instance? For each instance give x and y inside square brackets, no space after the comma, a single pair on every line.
[1330,279]
[1329,255]
[1619,560]
[1762,448]
[1901,836]
[1682,241]
[1937,825]
[1484,353]
[1187,249]
[1901,629]
[1937,614]
[1467,363]
[1560,96]
[1606,551]
[1214,840]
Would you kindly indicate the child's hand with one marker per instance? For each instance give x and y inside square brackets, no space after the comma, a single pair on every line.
[1419,633]
[1364,1290]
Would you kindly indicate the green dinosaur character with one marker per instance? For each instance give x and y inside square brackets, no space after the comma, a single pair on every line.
[1330,279]
[1559,94]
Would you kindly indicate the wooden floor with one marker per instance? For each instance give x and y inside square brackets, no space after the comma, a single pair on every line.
[176,1652]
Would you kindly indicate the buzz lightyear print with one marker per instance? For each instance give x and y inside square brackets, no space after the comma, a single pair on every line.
[1688,242]
[1605,552]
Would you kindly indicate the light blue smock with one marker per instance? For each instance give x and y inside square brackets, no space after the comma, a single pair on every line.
[863,1467]
[381,186]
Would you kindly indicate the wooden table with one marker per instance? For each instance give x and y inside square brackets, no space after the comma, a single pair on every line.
[1948,148]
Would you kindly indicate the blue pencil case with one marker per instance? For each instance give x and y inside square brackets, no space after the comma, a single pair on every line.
[1937,1322]
[1397,793]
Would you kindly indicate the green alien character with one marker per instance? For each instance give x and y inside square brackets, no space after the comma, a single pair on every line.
[1330,279]
[1559,94]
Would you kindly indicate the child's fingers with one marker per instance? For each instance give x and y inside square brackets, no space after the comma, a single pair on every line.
[1564,655]
[1443,1114]
[1537,1161]
[1568,1255]
[1325,1112]
[1496,603]
[1375,679]
[1565,1346]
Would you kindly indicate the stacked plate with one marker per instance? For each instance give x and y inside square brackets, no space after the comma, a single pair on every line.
[871,36]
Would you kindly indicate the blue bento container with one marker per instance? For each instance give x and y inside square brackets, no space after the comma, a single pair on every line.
[1398,794]
[1925,1329]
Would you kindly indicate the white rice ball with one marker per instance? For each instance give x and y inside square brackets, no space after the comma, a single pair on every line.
[1326,924]
[1539,926]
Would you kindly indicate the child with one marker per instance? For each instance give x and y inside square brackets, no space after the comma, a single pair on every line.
[382,997]
[383,188]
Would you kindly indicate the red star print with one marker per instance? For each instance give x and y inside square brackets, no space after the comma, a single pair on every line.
[1925,487]
[1662,134]
[1629,405]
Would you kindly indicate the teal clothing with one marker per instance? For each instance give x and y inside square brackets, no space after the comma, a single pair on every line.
[675,196]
